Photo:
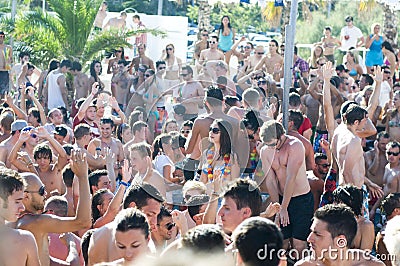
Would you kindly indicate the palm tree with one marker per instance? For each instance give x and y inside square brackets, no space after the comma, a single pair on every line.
[68,32]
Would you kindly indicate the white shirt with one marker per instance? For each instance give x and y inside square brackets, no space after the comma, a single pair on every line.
[353,33]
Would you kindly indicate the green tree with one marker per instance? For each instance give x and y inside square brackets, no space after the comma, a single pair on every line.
[67,32]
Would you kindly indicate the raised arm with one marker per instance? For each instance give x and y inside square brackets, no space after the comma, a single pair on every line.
[31,94]
[18,112]
[62,155]
[326,100]
[374,99]
[82,220]
[26,164]
[85,105]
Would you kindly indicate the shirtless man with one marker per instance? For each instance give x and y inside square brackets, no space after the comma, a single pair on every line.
[141,59]
[82,140]
[211,53]
[189,94]
[317,176]
[251,62]
[122,82]
[251,100]
[283,162]
[272,60]
[49,173]
[11,196]
[139,129]
[221,69]
[143,196]
[141,162]
[117,23]
[81,81]
[100,17]
[295,121]
[201,45]
[213,101]
[42,224]
[332,232]
[106,141]
[8,144]
[5,65]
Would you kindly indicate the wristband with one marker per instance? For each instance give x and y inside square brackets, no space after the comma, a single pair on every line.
[215,194]
[124,183]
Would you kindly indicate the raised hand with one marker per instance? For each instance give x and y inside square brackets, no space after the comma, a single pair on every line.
[42,133]
[78,163]
[95,88]
[25,135]
[126,171]
[378,77]
[327,70]
[31,92]
[114,103]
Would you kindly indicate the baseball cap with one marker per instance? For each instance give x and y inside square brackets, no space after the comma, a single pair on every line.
[348,18]
[179,109]
[60,130]
[18,125]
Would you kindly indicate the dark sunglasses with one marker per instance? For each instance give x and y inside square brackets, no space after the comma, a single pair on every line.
[257,77]
[169,226]
[392,153]
[212,42]
[261,82]
[386,72]
[147,75]
[185,131]
[325,165]
[33,135]
[142,69]
[260,53]
[169,49]
[161,68]
[247,47]
[204,35]
[41,191]
[118,51]
[184,75]
[215,130]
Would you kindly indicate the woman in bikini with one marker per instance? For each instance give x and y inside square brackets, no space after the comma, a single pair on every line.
[173,70]
[329,43]
[226,36]
[393,118]
[355,70]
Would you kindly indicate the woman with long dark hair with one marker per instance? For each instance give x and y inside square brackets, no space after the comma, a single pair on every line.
[95,72]
[390,57]
[219,158]
[226,36]
[174,64]
[119,55]
[54,63]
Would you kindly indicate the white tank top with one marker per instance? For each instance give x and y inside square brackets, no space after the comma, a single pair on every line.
[54,98]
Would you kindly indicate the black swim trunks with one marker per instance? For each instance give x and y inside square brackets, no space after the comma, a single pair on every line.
[301,211]
[4,82]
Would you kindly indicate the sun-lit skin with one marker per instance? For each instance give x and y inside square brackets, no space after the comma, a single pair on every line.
[107,198]
[106,131]
[131,244]
[12,208]
[231,217]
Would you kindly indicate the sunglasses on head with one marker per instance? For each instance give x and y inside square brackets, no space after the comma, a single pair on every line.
[215,130]
[392,153]
[41,191]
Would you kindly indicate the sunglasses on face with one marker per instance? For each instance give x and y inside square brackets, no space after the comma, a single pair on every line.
[142,69]
[185,131]
[41,191]
[184,75]
[118,51]
[169,226]
[261,82]
[204,35]
[147,75]
[215,130]
[260,53]
[247,47]
[170,49]
[161,68]
[325,165]
[213,42]
[392,153]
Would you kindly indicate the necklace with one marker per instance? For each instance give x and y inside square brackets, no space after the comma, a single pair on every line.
[225,171]
[253,158]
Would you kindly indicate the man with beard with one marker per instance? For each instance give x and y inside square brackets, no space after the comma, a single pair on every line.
[164,232]
[316,176]
[41,224]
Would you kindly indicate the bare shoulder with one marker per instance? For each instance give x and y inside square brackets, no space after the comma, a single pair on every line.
[363,258]
[295,143]
[104,232]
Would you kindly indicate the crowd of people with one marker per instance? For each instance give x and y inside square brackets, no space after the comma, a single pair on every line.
[175,161]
